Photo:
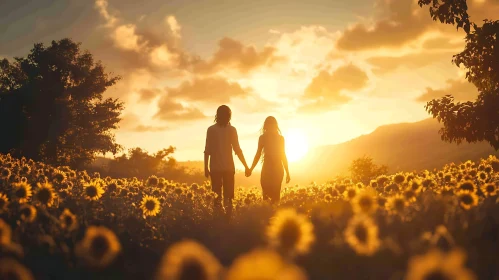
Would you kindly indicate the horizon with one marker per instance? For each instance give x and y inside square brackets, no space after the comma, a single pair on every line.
[334,66]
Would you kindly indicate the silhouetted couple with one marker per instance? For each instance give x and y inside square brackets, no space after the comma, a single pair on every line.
[221,139]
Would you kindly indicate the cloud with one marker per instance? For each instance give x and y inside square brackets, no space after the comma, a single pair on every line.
[132,122]
[170,110]
[385,64]
[233,54]
[102,6]
[461,90]
[141,47]
[210,89]
[325,92]
[147,95]
[401,22]
[174,26]
[125,37]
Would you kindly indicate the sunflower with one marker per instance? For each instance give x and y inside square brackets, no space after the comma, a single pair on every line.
[189,260]
[93,190]
[68,220]
[365,202]
[410,194]
[350,192]
[415,185]
[361,234]
[152,181]
[25,169]
[45,194]
[467,186]
[442,238]
[467,199]
[399,178]
[290,232]
[447,177]
[150,205]
[28,213]
[4,202]
[5,173]
[22,191]
[99,247]
[396,204]
[382,179]
[58,176]
[489,189]
[263,264]
[439,265]
[5,233]
[12,269]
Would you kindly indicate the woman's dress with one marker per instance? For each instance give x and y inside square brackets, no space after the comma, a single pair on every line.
[272,169]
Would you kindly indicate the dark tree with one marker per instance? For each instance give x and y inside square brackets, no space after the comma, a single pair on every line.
[139,163]
[364,169]
[478,120]
[52,106]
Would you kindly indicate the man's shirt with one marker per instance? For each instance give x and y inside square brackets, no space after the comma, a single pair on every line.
[220,141]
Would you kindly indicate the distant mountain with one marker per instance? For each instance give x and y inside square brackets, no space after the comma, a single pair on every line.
[403,146]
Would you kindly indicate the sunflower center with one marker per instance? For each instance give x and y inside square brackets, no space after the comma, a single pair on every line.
[399,205]
[26,212]
[366,203]
[150,205]
[436,275]
[99,246]
[68,220]
[192,270]
[467,199]
[290,234]
[399,179]
[21,192]
[44,195]
[91,191]
[490,188]
[467,187]
[361,233]
[59,177]
[351,194]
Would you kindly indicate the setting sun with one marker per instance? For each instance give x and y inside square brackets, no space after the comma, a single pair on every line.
[296,144]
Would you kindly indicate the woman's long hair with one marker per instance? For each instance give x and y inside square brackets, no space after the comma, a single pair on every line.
[223,116]
[270,126]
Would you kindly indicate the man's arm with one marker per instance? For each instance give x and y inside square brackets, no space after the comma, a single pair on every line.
[207,153]
[237,149]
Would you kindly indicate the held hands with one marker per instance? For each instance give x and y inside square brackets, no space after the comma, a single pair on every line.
[288,178]
[248,171]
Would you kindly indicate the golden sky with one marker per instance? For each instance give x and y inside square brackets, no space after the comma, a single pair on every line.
[327,70]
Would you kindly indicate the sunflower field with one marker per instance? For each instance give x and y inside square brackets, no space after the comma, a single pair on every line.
[58,223]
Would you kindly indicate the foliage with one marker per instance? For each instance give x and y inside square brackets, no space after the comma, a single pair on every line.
[410,225]
[478,120]
[52,106]
[364,169]
[139,163]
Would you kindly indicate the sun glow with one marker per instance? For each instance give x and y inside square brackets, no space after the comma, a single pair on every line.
[296,144]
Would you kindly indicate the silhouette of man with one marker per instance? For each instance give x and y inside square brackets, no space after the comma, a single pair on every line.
[221,139]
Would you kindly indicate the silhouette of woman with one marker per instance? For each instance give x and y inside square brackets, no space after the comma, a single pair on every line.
[275,162]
